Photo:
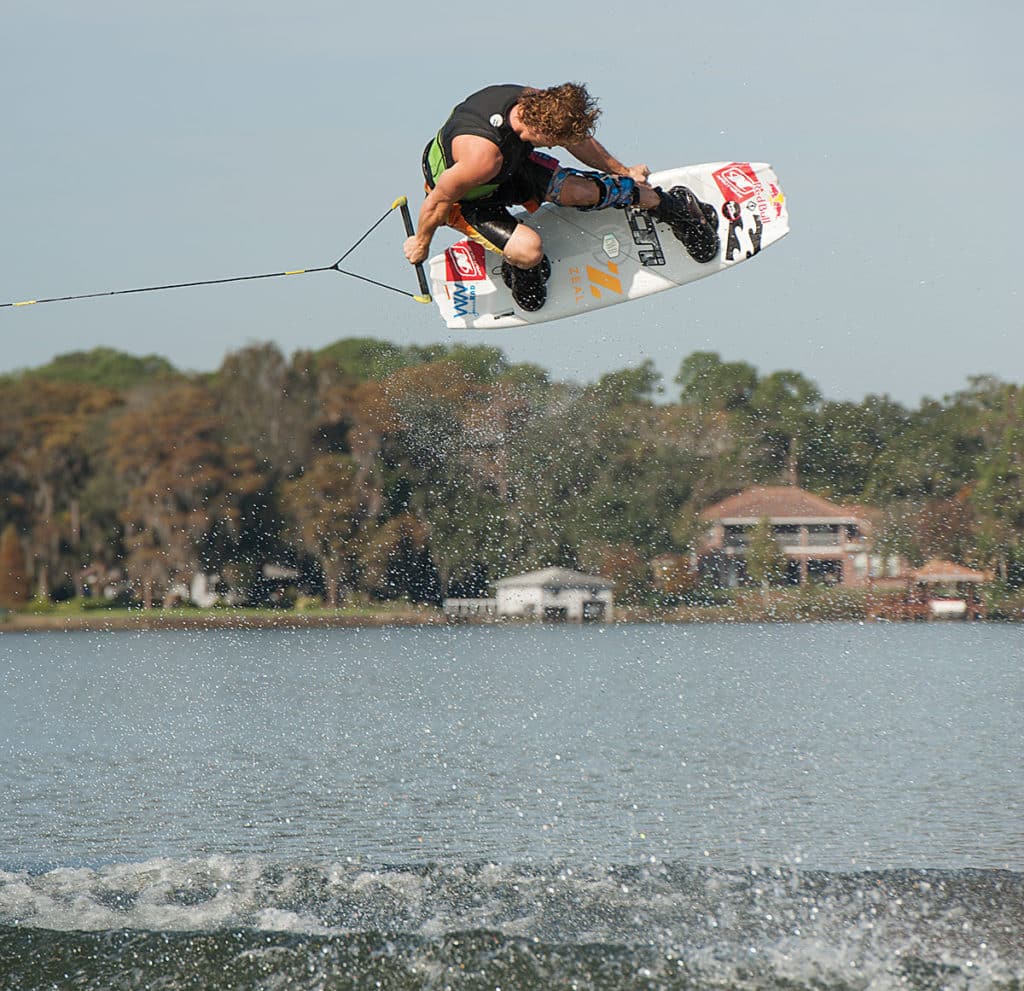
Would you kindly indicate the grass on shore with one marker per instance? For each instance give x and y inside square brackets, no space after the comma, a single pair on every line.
[809,604]
[79,614]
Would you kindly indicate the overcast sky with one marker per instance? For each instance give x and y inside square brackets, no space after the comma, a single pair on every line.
[147,143]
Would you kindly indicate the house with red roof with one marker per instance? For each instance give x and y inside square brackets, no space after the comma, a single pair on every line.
[823,542]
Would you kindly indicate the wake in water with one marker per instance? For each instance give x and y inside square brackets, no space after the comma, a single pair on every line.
[249,923]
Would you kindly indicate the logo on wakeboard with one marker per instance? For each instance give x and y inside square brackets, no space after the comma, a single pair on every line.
[464,262]
[597,279]
[740,182]
[737,182]
[463,300]
[733,212]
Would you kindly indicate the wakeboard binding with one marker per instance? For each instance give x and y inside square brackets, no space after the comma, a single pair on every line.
[695,224]
[528,285]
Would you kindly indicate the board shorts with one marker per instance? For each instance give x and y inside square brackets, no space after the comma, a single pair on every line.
[488,219]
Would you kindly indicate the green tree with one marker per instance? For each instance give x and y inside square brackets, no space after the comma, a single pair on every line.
[999,498]
[361,359]
[268,405]
[106,368]
[630,386]
[709,383]
[525,375]
[480,362]
[782,406]
[842,442]
[442,439]
[765,560]
[397,564]
[933,457]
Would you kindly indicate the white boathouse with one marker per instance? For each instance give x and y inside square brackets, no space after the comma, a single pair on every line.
[556,594]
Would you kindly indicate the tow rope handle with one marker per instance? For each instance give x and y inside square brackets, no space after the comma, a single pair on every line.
[424,296]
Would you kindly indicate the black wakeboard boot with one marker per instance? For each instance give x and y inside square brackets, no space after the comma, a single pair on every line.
[528,285]
[695,224]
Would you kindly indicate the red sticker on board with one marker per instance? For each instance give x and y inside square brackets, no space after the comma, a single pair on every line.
[464,262]
[737,181]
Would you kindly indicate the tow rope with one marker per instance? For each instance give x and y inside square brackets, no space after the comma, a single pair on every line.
[401,203]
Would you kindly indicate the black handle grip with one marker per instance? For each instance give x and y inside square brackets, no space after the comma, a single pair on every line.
[410,230]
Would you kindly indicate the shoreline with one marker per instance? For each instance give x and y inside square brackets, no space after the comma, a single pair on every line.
[104,621]
[157,619]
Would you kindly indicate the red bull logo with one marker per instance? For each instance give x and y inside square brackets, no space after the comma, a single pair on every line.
[740,183]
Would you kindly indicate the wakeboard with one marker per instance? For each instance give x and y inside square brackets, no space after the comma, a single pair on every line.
[601,258]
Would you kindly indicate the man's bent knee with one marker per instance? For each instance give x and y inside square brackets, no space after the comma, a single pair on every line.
[524,248]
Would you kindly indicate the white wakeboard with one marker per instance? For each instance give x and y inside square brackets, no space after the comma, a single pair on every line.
[603,257]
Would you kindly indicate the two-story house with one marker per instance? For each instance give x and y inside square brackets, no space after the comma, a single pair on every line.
[823,542]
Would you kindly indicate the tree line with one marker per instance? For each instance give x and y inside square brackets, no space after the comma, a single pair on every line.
[372,470]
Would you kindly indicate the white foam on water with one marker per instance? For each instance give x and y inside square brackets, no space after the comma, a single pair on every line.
[830,930]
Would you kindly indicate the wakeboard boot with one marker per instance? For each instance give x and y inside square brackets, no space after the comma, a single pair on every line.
[528,285]
[695,224]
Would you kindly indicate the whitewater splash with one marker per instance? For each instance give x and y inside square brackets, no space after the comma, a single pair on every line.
[223,922]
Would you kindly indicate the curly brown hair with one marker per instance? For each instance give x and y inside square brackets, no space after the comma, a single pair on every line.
[565,114]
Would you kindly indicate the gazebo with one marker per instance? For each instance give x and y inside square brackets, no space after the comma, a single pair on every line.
[944,590]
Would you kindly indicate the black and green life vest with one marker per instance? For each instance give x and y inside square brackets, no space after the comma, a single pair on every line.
[484,114]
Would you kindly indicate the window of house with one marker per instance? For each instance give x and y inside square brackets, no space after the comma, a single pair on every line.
[823,535]
[787,534]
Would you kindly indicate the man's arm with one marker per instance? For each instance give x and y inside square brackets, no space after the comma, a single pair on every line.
[477,161]
[591,152]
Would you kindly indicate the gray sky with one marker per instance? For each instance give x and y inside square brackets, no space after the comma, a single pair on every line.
[147,143]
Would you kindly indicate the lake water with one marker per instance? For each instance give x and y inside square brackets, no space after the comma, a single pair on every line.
[813,806]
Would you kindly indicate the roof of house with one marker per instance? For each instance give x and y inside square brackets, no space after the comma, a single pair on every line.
[936,571]
[555,577]
[786,502]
